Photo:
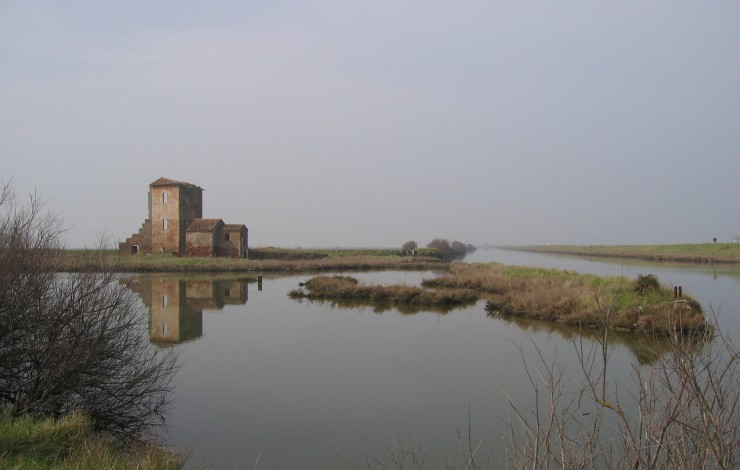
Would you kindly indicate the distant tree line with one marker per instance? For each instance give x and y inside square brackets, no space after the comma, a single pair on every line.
[444,248]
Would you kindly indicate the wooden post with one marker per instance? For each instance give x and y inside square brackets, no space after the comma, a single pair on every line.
[675,292]
[680,292]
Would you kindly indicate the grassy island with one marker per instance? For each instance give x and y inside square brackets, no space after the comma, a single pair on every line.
[563,297]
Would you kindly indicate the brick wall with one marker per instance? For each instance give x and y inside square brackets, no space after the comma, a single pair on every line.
[200,244]
[170,238]
[236,246]
[139,243]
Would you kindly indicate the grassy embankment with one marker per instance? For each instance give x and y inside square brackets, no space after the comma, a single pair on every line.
[687,253]
[261,260]
[71,443]
[563,297]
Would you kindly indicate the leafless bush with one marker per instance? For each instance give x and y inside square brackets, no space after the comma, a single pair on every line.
[71,341]
[681,413]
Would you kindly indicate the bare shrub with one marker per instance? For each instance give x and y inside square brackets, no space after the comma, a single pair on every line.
[72,341]
[681,413]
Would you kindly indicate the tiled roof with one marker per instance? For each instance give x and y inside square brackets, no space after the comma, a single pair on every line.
[233,227]
[204,225]
[168,182]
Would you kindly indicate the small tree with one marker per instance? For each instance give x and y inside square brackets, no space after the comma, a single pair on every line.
[458,249]
[442,246]
[409,245]
[72,341]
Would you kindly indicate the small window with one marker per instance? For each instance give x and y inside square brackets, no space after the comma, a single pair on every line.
[227,236]
[134,249]
[164,224]
[165,197]
[164,301]
[165,330]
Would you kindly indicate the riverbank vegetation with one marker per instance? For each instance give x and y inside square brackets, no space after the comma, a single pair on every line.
[562,297]
[75,343]
[685,253]
[71,442]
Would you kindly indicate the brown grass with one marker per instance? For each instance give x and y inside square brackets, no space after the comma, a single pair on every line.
[563,297]
[569,298]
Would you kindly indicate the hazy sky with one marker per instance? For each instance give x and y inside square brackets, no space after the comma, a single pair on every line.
[369,123]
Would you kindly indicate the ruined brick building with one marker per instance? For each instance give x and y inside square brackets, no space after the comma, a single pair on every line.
[176,225]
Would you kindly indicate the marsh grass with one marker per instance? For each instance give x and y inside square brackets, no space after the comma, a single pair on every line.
[71,443]
[570,298]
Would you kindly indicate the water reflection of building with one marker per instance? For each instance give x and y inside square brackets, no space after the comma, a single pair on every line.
[176,305]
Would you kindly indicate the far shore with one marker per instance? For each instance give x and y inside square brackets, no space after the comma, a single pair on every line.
[288,261]
[701,253]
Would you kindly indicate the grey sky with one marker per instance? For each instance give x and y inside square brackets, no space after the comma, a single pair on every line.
[369,123]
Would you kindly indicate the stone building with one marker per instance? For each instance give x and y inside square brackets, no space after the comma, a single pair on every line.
[176,225]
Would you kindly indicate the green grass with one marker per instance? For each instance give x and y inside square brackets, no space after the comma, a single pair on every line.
[70,443]
[696,253]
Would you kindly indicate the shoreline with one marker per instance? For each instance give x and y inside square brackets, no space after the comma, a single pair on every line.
[692,254]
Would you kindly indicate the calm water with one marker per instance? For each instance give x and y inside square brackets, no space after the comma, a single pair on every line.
[305,385]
